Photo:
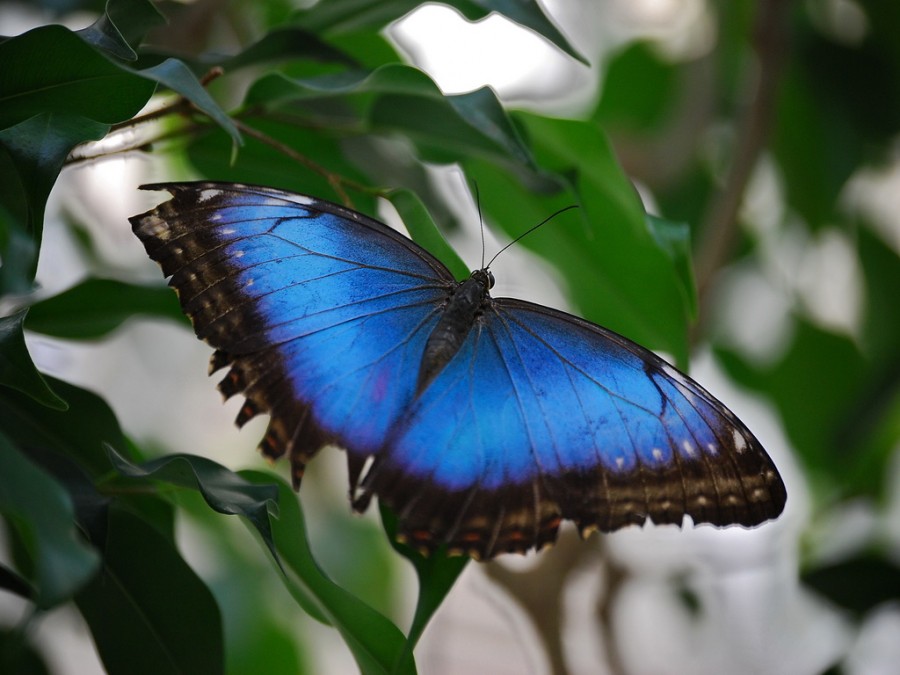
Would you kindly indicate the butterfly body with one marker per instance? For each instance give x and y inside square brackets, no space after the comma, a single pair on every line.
[482,422]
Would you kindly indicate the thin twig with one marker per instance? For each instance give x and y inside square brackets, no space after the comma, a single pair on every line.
[720,231]
[336,181]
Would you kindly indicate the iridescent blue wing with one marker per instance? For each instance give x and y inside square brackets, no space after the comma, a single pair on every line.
[323,316]
[543,416]
[320,312]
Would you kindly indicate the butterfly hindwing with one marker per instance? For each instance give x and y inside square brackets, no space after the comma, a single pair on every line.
[323,318]
[542,416]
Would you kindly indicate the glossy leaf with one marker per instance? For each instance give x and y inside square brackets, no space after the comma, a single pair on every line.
[423,230]
[337,17]
[35,150]
[285,43]
[858,584]
[618,274]
[77,433]
[375,642]
[16,369]
[224,491]
[436,573]
[175,75]
[406,99]
[96,307]
[49,70]
[121,28]
[40,509]
[139,605]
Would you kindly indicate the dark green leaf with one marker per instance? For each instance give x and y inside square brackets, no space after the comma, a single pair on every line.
[822,431]
[376,643]
[437,574]
[342,17]
[175,75]
[617,273]
[530,15]
[423,230]
[40,509]
[283,44]
[858,584]
[78,433]
[674,239]
[451,128]
[49,70]
[18,656]
[15,583]
[408,100]
[17,248]
[140,606]
[122,27]
[34,152]
[224,490]
[16,368]
[638,88]
[261,164]
[96,307]
[389,79]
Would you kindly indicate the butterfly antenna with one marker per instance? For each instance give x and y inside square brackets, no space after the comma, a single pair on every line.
[480,220]
[529,231]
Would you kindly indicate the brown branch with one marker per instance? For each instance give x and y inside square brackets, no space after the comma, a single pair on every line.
[539,591]
[336,181]
[720,230]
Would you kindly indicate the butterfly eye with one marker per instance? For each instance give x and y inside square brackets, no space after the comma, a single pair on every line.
[490,277]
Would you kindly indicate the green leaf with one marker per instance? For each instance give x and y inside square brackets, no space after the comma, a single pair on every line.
[175,75]
[376,643]
[638,90]
[674,239]
[18,655]
[261,164]
[96,307]
[448,129]
[49,70]
[437,574]
[40,509]
[224,490]
[16,368]
[634,288]
[393,78]
[140,604]
[33,152]
[122,27]
[407,100]
[78,433]
[530,15]
[618,274]
[17,248]
[285,43]
[423,230]
[824,434]
[343,17]
[858,584]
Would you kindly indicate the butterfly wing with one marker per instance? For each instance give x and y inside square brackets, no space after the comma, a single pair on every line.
[320,312]
[542,416]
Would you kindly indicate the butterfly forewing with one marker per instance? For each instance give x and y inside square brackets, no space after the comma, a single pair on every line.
[323,316]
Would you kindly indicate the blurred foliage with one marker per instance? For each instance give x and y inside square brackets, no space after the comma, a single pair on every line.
[329,108]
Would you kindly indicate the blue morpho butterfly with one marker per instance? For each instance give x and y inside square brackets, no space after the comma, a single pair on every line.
[487,420]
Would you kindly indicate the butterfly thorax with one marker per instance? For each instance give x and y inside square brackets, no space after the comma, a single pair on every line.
[457,318]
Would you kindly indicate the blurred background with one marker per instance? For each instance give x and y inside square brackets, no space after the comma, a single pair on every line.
[771,129]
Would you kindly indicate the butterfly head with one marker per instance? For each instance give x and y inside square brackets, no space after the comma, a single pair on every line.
[484,277]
